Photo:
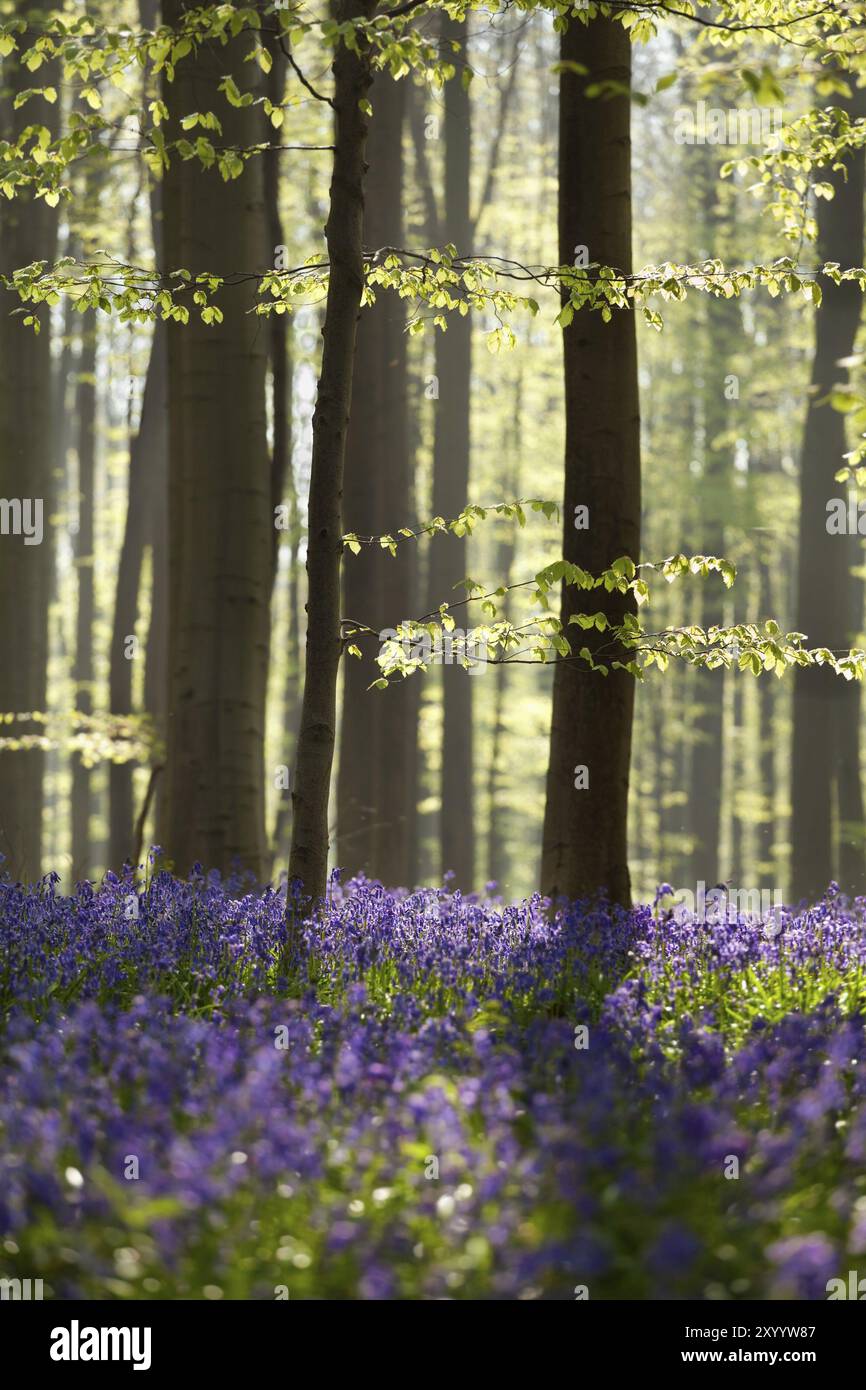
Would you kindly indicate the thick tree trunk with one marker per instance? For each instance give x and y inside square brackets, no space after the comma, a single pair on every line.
[825,775]
[28,232]
[374,786]
[220,522]
[344,232]
[85,409]
[585,845]
[451,459]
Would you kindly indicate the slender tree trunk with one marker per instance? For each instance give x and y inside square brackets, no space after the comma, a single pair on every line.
[825,775]
[146,480]
[851,823]
[28,232]
[767,744]
[722,327]
[283,489]
[282,478]
[585,829]
[220,523]
[451,459]
[155,449]
[308,862]
[85,409]
[512,447]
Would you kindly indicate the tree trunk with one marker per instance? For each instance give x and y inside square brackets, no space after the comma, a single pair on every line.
[374,790]
[512,448]
[282,477]
[451,457]
[146,481]
[344,232]
[155,448]
[85,409]
[767,737]
[585,844]
[283,488]
[825,774]
[220,522]
[28,232]
[722,323]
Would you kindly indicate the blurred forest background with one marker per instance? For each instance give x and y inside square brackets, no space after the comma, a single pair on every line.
[446,772]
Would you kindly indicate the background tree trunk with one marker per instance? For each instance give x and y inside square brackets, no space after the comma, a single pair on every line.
[451,460]
[145,522]
[584,847]
[722,325]
[85,409]
[284,490]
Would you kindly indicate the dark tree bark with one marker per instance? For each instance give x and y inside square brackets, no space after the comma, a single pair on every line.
[451,461]
[344,234]
[220,522]
[375,791]
[28,232]
[585,845]
[825,773]
[82,674]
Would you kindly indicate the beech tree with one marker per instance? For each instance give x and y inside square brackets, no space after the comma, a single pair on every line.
[220,518]
[28,232]
[375,785]
[585,821]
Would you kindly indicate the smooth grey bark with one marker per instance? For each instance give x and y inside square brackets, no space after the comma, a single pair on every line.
[585,830]
[375,787]
[28,232]
[220,522]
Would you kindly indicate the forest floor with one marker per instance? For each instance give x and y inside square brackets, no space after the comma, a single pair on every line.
[444,1099]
